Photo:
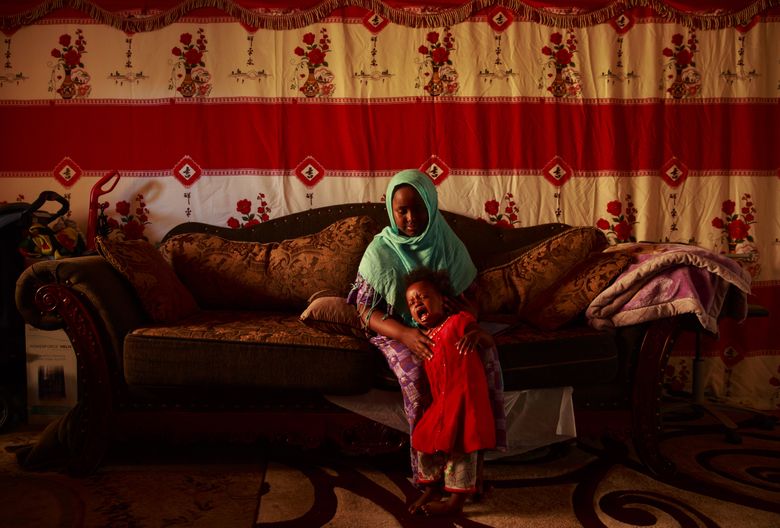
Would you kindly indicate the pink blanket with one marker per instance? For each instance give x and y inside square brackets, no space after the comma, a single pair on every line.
[670,279]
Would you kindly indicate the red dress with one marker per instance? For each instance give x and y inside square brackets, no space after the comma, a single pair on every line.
[460,419]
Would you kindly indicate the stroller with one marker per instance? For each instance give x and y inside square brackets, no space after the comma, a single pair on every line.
[16,221]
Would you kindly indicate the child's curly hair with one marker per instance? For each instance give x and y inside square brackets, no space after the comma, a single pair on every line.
[439,279]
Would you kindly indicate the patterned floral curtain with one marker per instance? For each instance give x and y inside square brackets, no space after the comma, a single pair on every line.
[654,120]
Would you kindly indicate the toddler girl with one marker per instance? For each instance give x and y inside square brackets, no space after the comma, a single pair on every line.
[459,423]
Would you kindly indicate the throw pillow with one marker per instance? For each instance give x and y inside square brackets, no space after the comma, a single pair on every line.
[574,292]
[508,288]
[334,316]
[162,294]
[229,274]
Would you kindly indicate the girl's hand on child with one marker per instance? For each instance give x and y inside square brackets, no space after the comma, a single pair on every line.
[474,338]
[419,343]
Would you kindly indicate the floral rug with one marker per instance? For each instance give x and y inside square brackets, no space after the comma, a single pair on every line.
[168,487]
[719,484]
[570,486]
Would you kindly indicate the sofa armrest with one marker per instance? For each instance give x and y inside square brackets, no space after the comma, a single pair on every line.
[108,298]
[96,307]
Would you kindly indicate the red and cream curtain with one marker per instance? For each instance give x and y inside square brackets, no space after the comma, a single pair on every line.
[654,120]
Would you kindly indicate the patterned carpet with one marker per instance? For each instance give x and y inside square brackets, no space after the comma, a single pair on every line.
[719,484]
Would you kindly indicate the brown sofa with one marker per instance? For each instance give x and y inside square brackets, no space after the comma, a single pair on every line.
[240,363]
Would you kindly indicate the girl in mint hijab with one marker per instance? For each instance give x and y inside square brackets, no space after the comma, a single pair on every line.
[418,236]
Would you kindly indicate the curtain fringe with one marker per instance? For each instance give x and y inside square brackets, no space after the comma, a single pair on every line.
[407,17]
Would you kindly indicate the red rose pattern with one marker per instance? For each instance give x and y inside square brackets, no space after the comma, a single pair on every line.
[438,52]
[196,80]
[191,54]
[249,218]
[315,56]
[738,230]
[244,207]
[684,58]
[561,53]
[623,231]
[491,207]
[507,217]
[70,54]
[682,54]
[560,64]
[622,226]
[123,208]
[440,55]
[69,78]
[131,224]
[563,57]
[315,53]
[735,226]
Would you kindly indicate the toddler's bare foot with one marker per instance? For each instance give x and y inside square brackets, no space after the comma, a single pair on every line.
[452,506]
[430,494]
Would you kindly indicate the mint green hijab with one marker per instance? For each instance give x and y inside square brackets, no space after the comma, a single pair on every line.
[392,255]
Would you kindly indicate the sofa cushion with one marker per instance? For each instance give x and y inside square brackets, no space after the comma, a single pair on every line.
[269,350]
[333,315]
[227,274]
[532,358]
[572,294]
[509,287]
[160,291]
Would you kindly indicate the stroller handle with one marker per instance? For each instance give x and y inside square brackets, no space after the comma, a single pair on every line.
[46,196]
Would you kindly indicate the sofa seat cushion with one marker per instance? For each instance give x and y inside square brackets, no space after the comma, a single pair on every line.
[247,349]
[576,355]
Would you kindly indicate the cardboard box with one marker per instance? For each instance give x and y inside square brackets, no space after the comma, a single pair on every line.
[52,383]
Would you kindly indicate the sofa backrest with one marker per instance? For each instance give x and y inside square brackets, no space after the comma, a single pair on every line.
[486,243]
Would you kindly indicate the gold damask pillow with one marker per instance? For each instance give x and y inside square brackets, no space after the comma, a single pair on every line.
[509,288]
[162,294]
[570,296]
[333,315]
[237,275]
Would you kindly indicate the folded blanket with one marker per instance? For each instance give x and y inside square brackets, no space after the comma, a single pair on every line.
[670,279]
